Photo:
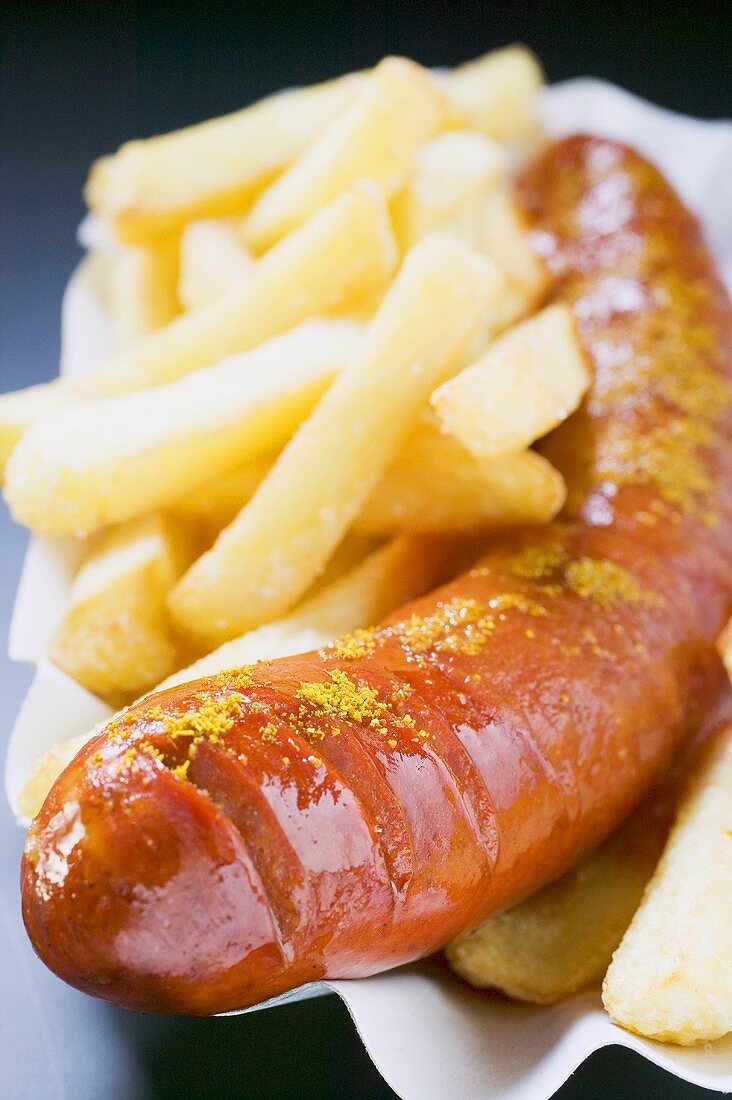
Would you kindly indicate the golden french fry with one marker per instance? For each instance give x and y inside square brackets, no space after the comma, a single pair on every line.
[399,571]
[453,175]
[435,485]
[504,237]
[102,462]
[344,251]
[151,188]
[217,503]
[142,289]
[213,260]
[46,772]
[262,564]
[375,138]
[497,94]
[527,382]
[114,637]
[396,572]
[670,977]
[561,939]
[19,409]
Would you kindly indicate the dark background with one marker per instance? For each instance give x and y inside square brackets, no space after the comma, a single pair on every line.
[76,80]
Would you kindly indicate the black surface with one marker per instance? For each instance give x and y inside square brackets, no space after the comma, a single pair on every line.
[77,80]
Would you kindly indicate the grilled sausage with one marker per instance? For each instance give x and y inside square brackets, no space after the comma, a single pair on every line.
[342,812]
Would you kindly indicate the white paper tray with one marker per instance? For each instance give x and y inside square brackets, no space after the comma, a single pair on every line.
[428,1034]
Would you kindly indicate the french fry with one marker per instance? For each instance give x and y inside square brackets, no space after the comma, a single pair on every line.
[376,138]
[561,939]
[504,237]
[344,251]
[670,978]
[217,503]
[46,772]
[527,382]
[102,462]
[19,409]
[435,485]
[399,571]
[267,558]
[153,187]
[453,174]
[212,261]
[142,289]
[114,637]
[497,94]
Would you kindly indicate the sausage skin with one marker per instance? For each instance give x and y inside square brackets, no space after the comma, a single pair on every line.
[342,812]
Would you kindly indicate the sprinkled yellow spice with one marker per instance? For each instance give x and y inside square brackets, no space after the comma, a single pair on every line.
[97,758]
[606,583]
[517,601]
[359,643]
[268,732]
[340,697]
[236,679]
[536,563]
[400,693]
[306,727]
[530,633]
[121,725]
[668,458]
[564,697]
[181,770]
[212,718]
[456,626]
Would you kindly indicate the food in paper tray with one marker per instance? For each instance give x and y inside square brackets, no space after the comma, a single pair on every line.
[396,314]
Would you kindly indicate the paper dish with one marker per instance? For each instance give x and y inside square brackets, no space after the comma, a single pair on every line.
[428,1034]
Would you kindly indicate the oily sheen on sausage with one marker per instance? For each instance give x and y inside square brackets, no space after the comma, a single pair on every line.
[342,812]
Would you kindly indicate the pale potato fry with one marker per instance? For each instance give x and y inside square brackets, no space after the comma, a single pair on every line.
[504,237]
[376,138]
[142,291]
[453,174]
[114,637]
[399,571]
[670,979]
[150,188]
[19,409]
[102,462]
[262,564]
[561,939]
[213,260]
[497,94]
[343,252]
[436,485]
[527,382]
[46,772]
[217,503]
